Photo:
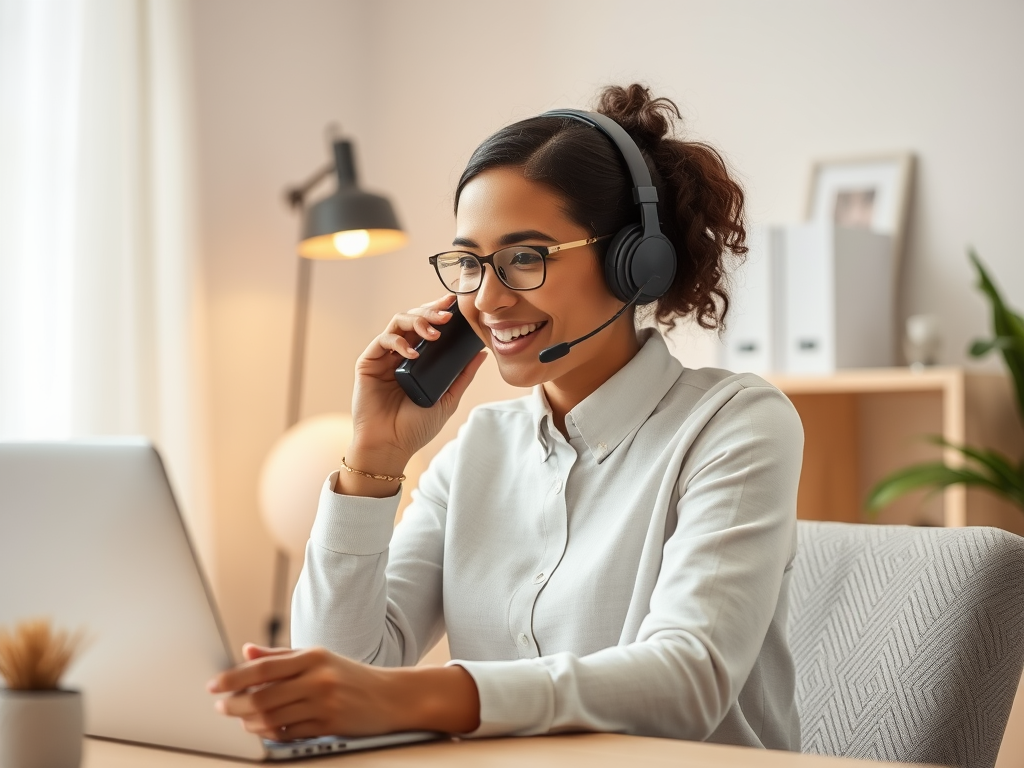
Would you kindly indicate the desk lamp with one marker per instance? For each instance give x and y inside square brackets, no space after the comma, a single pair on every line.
[348,224]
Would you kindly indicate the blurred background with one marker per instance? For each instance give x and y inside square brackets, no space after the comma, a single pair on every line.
[148,253]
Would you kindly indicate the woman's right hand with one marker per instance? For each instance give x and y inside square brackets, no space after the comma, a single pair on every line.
[388,427]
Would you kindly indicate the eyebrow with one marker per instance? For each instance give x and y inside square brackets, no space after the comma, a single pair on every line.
[510,239]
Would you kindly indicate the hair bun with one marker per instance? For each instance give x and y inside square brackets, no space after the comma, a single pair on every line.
[646,119]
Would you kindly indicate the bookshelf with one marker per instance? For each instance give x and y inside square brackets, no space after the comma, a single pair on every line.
[859,425]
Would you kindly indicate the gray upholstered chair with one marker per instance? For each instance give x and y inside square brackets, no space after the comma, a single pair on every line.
[908,642]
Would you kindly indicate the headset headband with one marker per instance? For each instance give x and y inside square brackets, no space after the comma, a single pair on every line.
[645,194]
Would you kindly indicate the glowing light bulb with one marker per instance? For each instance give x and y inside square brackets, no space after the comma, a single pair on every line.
[352,243]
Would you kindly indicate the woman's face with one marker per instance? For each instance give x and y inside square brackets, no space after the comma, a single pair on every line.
[499,208]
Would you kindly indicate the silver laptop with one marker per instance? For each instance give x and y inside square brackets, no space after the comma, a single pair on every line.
[90,536]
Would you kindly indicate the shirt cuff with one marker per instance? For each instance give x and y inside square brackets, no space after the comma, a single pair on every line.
[517,698]
[353,525]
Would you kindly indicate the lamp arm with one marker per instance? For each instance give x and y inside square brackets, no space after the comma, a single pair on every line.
[296,195]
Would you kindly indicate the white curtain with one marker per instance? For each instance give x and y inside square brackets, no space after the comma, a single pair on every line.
[100,301]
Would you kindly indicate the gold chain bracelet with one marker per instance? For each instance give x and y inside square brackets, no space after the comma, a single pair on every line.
[385,478]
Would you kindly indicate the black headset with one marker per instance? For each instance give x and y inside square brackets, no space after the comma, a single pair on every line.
[641,262]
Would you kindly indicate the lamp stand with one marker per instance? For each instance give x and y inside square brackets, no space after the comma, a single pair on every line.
[296,197]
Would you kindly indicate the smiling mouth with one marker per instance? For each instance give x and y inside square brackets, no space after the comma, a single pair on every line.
[510,334]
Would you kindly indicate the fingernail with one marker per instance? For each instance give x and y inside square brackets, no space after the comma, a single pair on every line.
[212,686]
[444,313]
[433,332]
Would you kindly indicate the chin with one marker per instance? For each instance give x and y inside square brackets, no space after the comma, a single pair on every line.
[521,373]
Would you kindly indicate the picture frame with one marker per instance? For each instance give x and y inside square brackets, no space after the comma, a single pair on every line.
[870,191]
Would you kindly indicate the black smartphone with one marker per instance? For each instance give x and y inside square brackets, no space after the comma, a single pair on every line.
[427,377]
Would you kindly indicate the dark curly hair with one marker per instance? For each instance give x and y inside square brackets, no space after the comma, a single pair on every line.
[700,206]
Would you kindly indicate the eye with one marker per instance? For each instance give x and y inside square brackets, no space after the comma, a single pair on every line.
[524,259]
[468,263]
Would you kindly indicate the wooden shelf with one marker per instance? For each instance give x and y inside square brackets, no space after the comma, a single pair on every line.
[859,425]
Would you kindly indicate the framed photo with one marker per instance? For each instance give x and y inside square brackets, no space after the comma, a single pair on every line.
[871,192]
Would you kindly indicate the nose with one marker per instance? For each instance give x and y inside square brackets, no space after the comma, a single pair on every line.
[492,295]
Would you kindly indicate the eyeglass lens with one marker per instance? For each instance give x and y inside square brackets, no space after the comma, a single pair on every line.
[521,268]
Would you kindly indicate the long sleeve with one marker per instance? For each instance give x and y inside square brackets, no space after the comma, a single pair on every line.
[369,590]
[715,602]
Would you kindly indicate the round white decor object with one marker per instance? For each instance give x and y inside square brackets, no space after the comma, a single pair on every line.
[293,475]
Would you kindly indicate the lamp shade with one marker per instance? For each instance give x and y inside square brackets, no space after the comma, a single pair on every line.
[350,223]
[294,473]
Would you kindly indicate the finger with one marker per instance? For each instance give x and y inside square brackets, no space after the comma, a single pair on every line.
[397,337]
[463,380]
[282,717]
[306,730]
[252,651]
[415,323]
[393,342]
[264,700]
[445,302]
[436,316]
[270,669]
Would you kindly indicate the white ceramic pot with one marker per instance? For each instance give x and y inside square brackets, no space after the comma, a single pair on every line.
[41,729]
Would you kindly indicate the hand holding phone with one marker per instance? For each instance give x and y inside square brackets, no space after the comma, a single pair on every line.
[389,426]
[427,377]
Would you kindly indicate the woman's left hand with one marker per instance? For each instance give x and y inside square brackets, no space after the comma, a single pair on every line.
[284,694]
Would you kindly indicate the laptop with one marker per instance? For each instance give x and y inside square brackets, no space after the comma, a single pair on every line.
[91,536]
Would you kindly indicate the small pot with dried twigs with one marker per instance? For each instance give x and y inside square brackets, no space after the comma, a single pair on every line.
[41,724]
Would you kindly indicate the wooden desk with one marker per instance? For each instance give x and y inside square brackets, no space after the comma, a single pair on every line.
[592,750]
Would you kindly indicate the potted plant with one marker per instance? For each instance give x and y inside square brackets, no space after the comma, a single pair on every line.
[981,467]
[41,724]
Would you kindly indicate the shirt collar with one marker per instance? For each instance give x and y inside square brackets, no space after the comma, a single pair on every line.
[621,404]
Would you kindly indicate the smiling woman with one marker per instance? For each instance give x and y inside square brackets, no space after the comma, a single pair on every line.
[612,552]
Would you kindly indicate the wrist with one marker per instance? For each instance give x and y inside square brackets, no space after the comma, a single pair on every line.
[442,699]
[376,459]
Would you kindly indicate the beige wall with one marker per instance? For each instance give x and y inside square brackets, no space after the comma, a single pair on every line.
[419,84]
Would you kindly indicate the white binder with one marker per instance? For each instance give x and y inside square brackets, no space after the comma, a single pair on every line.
[839,299]
[753,326]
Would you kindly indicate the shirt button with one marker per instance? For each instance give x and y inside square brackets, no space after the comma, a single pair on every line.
[523,639]
[558,487]
[539,578]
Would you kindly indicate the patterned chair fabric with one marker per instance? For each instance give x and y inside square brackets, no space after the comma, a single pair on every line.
[908,642]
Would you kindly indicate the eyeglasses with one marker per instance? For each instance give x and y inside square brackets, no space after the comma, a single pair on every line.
[520,267]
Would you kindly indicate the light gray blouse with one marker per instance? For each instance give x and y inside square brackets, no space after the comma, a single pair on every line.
[633,578]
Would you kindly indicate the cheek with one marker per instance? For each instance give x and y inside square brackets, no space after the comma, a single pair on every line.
[469,311]
[585,297]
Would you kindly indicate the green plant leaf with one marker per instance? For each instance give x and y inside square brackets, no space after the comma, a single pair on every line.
[1006,324]
[935,475]
[980,348]
[1001,469]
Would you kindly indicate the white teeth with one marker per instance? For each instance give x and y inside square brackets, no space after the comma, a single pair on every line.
[507,334]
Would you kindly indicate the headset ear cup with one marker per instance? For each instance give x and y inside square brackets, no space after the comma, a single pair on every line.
[652,266]
[617,259]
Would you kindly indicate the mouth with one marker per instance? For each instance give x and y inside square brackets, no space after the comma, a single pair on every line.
[511,334]
[511,340]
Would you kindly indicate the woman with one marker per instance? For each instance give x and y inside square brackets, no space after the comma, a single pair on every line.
[609,553]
